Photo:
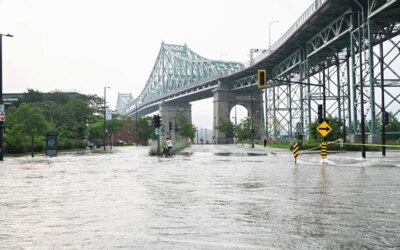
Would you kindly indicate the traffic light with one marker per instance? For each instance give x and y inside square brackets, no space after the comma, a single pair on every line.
[262,78]
[153,121]
[320,116]
[386,118]
[157,121]
[170,126]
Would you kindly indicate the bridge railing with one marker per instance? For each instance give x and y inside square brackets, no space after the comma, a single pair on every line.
[302,20]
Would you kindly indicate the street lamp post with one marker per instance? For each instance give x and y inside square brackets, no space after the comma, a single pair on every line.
[265,90]
[105,112]
[269,34]
[136,126]
[251,118]
[1,94]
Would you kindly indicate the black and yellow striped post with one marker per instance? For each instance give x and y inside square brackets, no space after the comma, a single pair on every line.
[295,152]
[323,150]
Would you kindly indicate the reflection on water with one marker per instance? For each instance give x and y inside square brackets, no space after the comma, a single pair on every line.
[200,200]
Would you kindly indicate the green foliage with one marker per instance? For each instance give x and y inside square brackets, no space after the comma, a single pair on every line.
[114,125]
[32,96]
[186,128]
[243,130]
[23,123]
[144,129]
[335,134]
[69,114]
[15,142]
[275,126]
[226,127]
[96,131]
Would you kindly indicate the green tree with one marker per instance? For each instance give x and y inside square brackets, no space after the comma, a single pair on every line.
[69,113]
[186,128]
[144,129]
[275,126]
[243,130]
[96,105]
[226,127]
[32,96]
[25,122]
[115,125]
[96,129]
[96,133]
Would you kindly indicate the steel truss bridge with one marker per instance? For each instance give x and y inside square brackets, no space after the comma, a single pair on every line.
[327,52]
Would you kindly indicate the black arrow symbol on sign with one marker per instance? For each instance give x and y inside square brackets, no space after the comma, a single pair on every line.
[326,129]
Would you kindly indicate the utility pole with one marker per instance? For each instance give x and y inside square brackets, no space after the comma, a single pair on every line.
[1,95]
[251,118]
[105,112]
[136,126]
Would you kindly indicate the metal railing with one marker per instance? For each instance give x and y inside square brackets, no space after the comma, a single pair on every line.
[302,20]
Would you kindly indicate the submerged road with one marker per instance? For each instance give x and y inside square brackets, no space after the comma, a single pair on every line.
[209,197]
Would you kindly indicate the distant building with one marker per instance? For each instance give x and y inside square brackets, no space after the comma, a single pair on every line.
[12,99]
[127,134]
[123,102]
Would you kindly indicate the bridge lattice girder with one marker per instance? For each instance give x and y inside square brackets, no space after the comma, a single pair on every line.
[178,66]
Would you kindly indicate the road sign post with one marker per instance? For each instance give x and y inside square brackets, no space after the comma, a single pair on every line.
[323,150]
[324,129]
[158,132]
[295,152]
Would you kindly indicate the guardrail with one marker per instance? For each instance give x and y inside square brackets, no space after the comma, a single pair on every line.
[302,20]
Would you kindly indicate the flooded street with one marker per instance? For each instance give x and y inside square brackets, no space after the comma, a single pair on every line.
[209,197]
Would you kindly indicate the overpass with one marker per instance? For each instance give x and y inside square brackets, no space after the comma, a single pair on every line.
[344,54]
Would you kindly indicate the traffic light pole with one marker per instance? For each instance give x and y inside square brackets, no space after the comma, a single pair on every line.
[324,94]
[1,98]
[383,101]
[136,126]
[158,144]
[157,124]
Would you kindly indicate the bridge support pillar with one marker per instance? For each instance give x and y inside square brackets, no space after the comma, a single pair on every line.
[225,100]
[168,112]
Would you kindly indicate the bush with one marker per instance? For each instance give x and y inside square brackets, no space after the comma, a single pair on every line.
[15,144]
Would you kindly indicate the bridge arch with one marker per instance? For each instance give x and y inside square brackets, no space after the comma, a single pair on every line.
[225,100]
[239,112]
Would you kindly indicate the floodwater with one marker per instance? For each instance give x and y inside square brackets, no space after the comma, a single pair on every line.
[210,197]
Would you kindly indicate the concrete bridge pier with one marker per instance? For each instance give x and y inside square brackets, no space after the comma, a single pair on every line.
[168,115]
[225,100]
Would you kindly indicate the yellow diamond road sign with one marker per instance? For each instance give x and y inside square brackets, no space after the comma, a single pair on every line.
[324,129]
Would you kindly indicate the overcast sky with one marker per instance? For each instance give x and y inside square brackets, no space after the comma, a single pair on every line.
[85,45]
